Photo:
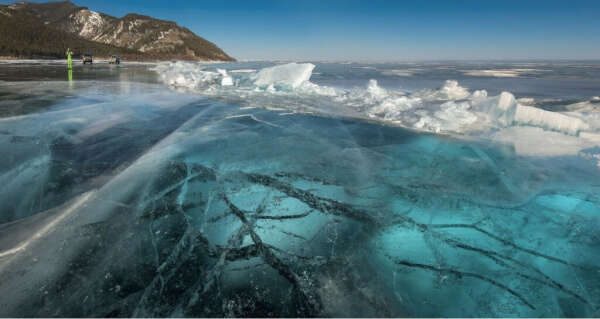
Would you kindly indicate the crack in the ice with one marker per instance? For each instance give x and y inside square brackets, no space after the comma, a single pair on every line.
[311,301]
[283,217]
[461,274]
[498,258]
[506,243]
[233,251]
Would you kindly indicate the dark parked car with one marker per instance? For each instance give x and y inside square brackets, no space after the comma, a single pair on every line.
[87,58]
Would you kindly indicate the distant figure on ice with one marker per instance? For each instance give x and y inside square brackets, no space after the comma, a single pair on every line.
[69,60]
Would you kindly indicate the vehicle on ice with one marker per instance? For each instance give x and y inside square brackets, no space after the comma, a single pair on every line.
[87,58]
[115,59]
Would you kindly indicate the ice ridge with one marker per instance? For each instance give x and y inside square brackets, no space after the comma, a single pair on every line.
[451,109]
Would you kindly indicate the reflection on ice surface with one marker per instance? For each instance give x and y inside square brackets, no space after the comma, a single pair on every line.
[147,202]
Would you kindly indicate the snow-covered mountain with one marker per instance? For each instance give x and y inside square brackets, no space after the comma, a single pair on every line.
[144,34]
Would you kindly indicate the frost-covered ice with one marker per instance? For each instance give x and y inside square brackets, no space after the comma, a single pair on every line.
[282,192]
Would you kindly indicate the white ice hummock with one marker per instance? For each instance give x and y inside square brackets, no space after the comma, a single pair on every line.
[291,74]
[226,80]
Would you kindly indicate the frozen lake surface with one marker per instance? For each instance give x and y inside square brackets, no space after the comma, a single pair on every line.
[310,189]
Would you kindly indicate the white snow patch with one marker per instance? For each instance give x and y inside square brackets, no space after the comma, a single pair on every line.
[398,72]
[92,22]
[119,30]
[501,73]
[243,71]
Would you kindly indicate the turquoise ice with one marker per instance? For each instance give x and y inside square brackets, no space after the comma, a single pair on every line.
[146,202]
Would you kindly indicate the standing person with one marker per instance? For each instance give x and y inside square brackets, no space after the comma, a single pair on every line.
[69,60]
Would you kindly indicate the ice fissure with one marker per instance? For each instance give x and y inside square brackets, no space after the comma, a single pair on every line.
[308,302]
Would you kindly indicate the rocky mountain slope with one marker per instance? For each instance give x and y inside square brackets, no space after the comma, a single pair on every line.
[136,35]
[24,35]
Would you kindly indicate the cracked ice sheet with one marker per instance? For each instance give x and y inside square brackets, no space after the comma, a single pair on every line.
[358,197]
[55,152]
[441,191]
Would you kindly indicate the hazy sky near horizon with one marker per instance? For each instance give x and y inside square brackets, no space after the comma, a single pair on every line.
[378,30]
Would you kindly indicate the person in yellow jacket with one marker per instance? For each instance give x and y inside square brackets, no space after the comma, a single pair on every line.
[69,60]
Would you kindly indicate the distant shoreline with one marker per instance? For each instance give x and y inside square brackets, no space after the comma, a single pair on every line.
[100,60]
